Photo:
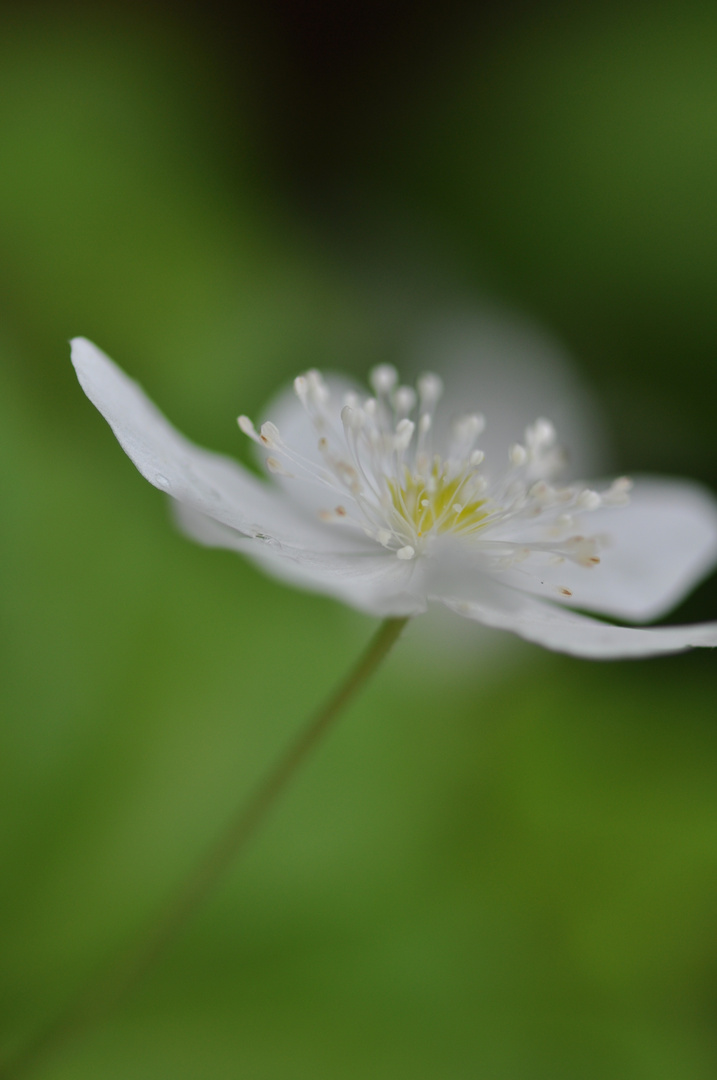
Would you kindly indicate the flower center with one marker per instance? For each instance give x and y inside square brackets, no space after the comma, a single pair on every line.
[437,501]
[380,465]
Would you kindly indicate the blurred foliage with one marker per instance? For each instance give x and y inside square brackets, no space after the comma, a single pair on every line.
[493,868]
[569,158]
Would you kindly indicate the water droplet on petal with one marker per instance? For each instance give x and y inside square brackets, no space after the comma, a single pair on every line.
[162,482]
[269,541]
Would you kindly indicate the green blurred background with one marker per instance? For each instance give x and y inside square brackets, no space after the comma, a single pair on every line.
[502,870]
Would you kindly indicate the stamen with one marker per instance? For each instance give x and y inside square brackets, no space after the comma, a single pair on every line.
[430,390]
[404,400]
[318,390]
[540,435]
[404,434]
[270,434]
[330,516]
[589,500]
[402,494]
[301,388]
[383,379]
[618,492]
[351,418]
[275,466]
[582,550]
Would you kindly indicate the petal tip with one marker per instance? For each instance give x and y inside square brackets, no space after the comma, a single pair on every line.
[87,359]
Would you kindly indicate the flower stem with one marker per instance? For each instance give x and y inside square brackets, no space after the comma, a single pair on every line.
[100,996]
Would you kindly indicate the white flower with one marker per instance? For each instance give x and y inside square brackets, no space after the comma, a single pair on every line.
[378,501]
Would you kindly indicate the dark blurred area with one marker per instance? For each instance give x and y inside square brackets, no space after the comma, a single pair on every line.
[330,76]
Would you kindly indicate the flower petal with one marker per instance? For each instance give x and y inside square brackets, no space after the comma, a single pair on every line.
[208,482]
[656,549]
[372,580]
[566,631]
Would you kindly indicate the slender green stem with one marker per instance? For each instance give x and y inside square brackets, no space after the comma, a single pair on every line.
[102,995]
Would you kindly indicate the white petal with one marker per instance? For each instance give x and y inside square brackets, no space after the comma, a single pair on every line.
[567,631]
[370,579]
[658,548]
[208,482]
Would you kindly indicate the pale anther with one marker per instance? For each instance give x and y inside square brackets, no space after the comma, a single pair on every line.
[539,434]
[301,388]
[351,418]
[270,434]
[404,433]
[404,399]
[430,388]
[589,500]
[383,378]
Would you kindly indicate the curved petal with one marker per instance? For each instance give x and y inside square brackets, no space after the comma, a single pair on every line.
[566,631]
[208,482]
[372,580]
[654,551]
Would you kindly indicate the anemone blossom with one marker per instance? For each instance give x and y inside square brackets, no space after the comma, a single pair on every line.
[381,501]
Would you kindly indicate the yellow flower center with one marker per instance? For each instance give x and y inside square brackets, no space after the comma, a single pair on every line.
[437,502]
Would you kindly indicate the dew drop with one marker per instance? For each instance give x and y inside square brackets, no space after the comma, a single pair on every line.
[269,541]
[161,481]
